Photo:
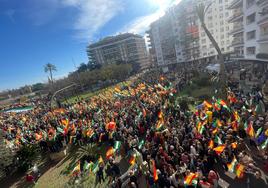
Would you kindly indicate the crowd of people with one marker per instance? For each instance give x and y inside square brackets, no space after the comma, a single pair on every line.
[167,145]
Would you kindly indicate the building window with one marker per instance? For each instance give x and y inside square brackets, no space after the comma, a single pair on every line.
[251,18]
[221,15]
[222,36]
[203,34]
[221,22]
[205,54]
[251,35]
[220,1]
[226,1]
[222,29]
[227,28]
[203,41]
[222,42]
[250,3]
[264,30]
[251,50]
[226,14]
[204,47]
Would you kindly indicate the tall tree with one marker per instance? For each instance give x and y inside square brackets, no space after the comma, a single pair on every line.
[50,68]
[201,10]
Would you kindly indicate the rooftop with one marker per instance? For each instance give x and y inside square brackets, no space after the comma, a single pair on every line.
[111,39]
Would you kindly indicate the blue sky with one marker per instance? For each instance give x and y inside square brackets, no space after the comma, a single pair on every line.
[35,32]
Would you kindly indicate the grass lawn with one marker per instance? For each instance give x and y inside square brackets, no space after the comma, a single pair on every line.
[87,95]
[59,175]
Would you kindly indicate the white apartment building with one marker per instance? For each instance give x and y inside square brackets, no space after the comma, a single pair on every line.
[250,33]
[161,38]
[124,47]
[216,20]
[180,32]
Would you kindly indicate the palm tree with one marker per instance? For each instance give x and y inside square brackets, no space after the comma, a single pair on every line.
[87,150]
[50,68]
[201,13]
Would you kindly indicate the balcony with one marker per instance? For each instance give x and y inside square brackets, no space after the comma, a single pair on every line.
[238,41]
[263,15]
[237,14]
[263,38]
[261,2]
[235,4]
[237,29]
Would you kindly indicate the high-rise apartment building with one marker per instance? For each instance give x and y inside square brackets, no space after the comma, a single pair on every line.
[250,32]
[187,39]
[124,47]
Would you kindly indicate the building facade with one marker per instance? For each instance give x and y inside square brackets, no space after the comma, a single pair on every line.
[250,34]
[121,48]
[187,39]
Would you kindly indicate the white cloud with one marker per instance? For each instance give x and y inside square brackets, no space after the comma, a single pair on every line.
[141,24]
[93,14]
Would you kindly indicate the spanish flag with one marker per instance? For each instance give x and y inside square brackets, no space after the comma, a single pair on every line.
[190,179]
[132,160]
[159,124]
[96,165]
[160,115]
[234,145]
[111,126]
[155,175]
[76,169]
[219,149]
[65,122]
[211,144]
[250,130]
[239,170]
[215,131]
[110,152]
[207,104]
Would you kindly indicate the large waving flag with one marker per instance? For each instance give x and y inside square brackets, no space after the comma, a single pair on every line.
[236,168]
[191,179]
[219,149]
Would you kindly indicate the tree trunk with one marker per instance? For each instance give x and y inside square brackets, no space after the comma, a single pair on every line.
[51,79]
[222,75]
